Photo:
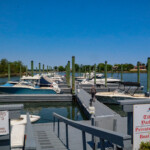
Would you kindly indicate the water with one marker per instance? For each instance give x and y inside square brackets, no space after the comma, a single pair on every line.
[45,110]
[4,80]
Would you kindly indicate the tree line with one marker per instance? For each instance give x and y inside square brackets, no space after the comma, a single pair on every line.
[99,68]
[14,66]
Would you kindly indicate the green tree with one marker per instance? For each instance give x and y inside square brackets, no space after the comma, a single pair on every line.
[61,68]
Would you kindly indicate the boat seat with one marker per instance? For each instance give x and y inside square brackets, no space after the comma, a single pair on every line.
[129,87]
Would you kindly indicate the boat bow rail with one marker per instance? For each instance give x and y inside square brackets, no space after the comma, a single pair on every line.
[121,140]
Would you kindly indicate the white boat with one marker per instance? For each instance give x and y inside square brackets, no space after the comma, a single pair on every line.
[113,97]
[23,120]
[99,81]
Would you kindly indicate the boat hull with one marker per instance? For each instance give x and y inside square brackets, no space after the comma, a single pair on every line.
[20,90]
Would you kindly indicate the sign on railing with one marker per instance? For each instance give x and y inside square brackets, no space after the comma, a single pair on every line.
[141,125]
[4,122]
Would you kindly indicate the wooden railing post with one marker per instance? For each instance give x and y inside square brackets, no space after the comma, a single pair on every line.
[84,140]
[67,142]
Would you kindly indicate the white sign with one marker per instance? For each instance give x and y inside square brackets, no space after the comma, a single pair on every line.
[4,123]
[141,125]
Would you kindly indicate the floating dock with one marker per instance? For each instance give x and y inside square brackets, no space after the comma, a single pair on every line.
[9,98]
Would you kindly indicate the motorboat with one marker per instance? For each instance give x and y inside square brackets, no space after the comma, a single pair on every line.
[100,80]
[31,85]
[126,90]
[23,120]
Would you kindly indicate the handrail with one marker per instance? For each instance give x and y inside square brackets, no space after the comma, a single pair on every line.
[111,136]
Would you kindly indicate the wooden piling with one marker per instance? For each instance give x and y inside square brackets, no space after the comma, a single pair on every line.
[32,68]
[69,73]
[73,75]
[43,68]
[148,75]
[105,72]
[138,72]
[39,67]
[95,74]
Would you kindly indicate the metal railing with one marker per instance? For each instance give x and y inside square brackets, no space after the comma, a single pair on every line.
[121,140]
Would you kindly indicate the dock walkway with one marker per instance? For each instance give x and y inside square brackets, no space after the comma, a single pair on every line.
[100,108]
[45,138]
[35,98]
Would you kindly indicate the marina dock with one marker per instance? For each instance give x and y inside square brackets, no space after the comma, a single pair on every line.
[9,98]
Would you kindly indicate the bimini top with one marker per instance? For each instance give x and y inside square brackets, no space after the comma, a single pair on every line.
[35,77]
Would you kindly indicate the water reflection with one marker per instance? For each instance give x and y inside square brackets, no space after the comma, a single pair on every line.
[45,110]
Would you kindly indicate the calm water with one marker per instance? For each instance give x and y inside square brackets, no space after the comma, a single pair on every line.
[45,110]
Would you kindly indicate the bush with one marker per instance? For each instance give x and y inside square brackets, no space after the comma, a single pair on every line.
[145,146]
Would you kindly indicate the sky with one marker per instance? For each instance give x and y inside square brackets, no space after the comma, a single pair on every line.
[52,31]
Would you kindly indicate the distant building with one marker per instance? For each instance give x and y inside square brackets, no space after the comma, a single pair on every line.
[141,66]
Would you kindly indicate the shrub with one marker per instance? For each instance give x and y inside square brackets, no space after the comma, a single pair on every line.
[145,146]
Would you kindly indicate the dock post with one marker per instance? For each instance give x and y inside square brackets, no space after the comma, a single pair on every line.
[43,68]
[121,72]
[20,72]
[95,74]
[138,72]
[47,69]
[148,76]
[26,70]
[39,67]
[112,72]
[31,67]
[73,75]
[89,72]
[105,72]
[8,71]
[69,73]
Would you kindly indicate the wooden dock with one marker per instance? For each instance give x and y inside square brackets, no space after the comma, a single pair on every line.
[9,98]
